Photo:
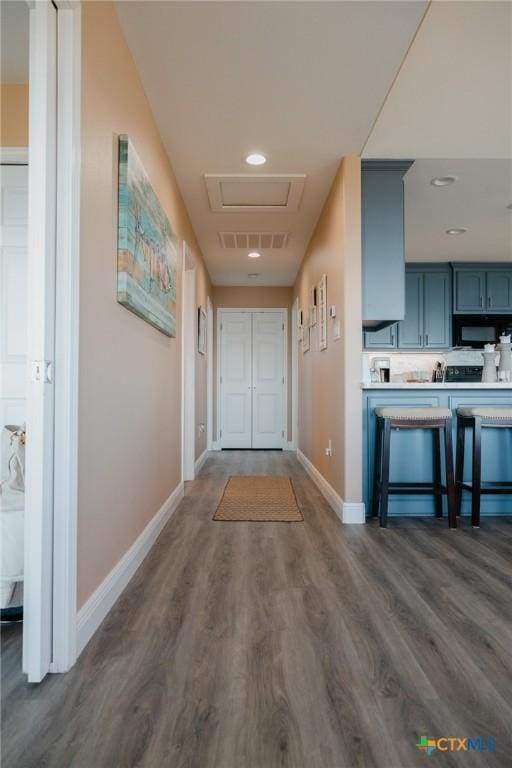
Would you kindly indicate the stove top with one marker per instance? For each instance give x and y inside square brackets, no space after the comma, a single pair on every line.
[456,373]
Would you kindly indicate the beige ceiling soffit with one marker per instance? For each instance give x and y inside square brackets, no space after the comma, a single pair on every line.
[254,193]
[396,77]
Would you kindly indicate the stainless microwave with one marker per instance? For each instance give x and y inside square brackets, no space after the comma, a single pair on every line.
[476,330]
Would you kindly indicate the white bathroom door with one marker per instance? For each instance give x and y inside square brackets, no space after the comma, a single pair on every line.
[267,379]
[236,380]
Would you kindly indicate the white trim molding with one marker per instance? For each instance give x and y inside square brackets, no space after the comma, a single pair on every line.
[201,460]
[66,337]
[348,512]
[96,608]
[13,155]
[289,446]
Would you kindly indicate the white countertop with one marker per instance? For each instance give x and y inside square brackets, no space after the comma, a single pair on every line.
[431,385]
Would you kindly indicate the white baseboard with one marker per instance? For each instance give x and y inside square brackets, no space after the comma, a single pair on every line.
[289,446]
[200,461]
[92,613]
[354,513]
[216,445]
[348,512]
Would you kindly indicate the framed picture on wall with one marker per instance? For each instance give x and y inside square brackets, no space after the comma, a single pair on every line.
[300,326]
[306,335]
[201,331]
[312,305]
[322,311]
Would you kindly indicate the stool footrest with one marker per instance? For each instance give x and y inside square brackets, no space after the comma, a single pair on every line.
[488,487]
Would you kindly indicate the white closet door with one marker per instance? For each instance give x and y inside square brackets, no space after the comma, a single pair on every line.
[268,379]
[236,379]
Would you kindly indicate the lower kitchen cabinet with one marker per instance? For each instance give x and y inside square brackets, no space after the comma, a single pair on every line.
[412,449]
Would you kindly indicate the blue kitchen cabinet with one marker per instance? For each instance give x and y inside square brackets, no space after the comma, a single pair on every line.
[427,323]
[437,308]
[470,290]
[499,290]
[412,449]
[382,234]
[386,338]
[410,330]
[482,289]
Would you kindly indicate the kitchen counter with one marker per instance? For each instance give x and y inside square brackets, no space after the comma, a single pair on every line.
[442,386]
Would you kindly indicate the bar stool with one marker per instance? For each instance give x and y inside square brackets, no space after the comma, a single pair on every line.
[437,419]
[476,419]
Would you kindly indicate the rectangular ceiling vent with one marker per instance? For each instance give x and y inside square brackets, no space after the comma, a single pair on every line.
[254,240]
[254,193]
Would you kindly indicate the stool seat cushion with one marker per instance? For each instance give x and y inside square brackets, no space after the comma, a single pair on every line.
[485,413]
[413,414]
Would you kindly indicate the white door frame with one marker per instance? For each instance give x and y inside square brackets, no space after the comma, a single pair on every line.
[188,364]
[209,374]
[49,635]
[67,335]
[294,442]
[226,310]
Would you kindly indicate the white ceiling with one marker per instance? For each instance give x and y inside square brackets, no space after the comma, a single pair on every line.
[477,201]
[453,96]
[14,24]
[306,83]
[300,82]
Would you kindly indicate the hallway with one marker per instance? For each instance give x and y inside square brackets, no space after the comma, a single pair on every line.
[307,645]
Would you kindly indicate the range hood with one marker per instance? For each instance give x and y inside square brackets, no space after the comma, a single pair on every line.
[383,249]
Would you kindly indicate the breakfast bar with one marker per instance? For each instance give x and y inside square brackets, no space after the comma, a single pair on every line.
[412,450]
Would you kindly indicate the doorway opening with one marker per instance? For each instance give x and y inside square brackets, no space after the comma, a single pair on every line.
[252,378]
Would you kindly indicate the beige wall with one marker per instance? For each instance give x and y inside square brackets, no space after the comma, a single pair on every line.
[14,115]
[229,297]
[129,400]
[330,401]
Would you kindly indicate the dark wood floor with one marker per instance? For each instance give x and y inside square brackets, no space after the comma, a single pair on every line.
[307,645]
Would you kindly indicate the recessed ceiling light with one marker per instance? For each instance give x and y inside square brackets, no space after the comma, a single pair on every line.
[443,181]
[253,274]
[456,231]
[254,255]
[256,159]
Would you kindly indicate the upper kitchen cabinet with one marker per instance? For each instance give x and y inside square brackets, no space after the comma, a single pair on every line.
[499,290]
[427,323]
[383,242]
[480,289]
[386,338]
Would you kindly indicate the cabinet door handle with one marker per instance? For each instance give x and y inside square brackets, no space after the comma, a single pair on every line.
[489,302]
[426,339]
[481,301]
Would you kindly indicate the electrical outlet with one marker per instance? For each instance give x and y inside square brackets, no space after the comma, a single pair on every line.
[328,450]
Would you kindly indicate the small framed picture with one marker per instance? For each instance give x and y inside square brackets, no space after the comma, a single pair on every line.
[201,331]
[312,305]
[306,336]
[322,310]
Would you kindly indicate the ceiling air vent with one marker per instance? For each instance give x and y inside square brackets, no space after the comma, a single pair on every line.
[253,240]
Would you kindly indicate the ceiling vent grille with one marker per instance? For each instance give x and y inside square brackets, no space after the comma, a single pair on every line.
[253,240]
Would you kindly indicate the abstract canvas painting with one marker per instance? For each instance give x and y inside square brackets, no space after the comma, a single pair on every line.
[147,246]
